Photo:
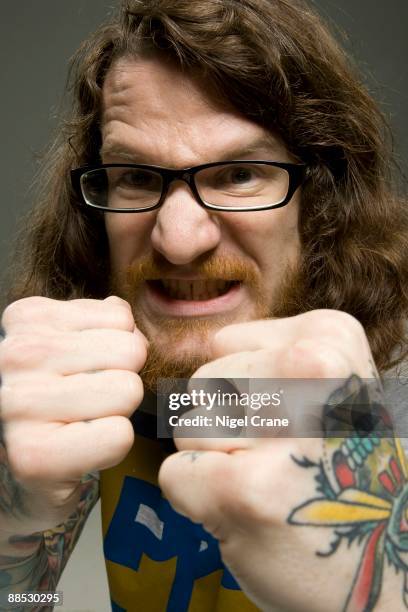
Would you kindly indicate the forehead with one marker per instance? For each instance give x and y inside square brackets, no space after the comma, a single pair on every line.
[164,115]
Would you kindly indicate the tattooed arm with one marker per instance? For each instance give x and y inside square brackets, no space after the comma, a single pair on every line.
[311,524]
[35,562]
[361,493]
[362,499]
[69,384]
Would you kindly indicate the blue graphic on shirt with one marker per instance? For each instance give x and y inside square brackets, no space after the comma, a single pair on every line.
[116,608]
[144,522]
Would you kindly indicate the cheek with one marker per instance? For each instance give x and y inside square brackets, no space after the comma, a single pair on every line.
[128,237]
[285,230]
[272,235]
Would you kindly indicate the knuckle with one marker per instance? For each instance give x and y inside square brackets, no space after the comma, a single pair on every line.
[13,401]
[336,324]
[256,488]
[22,400]
[314,359]
[224,335]
[299,354]
[138,351]
[350,328]
[18,402]
[115,299]
[219,339]
[123,318]
[20,351]
[131,390]
[123,436]
[319,360]
[27,459]
[24,311]
[249,496]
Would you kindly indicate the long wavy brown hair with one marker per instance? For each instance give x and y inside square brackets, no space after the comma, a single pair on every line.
[280,66]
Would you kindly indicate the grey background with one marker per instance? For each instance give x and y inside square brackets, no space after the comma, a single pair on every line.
[38,38]
[36,42]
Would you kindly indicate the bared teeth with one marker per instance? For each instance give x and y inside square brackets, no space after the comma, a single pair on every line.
[195,289]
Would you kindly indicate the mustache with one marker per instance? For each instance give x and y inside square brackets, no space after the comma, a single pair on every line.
[228,268]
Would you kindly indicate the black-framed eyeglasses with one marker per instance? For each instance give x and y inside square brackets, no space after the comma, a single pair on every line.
[239,185]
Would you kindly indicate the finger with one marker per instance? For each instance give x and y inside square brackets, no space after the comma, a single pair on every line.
[259,363]
[193,483]
[271,396]
[304,358]
[72,398]
[237,372]
[254,335]
[41,453]
[221,399]
[73,352]
[331,326]
[42,313]
[227,444]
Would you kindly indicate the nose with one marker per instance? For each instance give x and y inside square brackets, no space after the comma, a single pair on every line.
[183,229]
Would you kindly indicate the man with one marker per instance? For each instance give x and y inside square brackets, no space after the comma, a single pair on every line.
[230,214]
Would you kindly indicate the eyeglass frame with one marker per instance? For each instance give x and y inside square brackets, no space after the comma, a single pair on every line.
[297,174]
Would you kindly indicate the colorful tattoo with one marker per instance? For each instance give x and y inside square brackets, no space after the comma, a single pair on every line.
[42,569]
[60,541]
[362,486]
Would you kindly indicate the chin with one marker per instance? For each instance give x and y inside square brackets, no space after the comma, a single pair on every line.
[168,365]
[185,348]
[175,354]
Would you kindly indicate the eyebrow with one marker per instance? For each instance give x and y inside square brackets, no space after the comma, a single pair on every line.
[265,143]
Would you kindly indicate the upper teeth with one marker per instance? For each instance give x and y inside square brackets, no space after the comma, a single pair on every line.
[195,289]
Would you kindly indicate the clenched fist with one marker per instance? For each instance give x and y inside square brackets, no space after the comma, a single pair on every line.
[284,509]
[70,382]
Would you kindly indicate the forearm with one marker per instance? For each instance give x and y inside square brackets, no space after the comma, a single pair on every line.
[23,573]
[35,562]
[311,524]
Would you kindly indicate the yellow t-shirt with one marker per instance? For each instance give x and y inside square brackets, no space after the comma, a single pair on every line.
[156,559]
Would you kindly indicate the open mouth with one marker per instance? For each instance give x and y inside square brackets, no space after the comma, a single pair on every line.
[196,290]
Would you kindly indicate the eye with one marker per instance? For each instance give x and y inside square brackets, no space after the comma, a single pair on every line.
[241,175]
[236,177]
[139,179]
[246,176]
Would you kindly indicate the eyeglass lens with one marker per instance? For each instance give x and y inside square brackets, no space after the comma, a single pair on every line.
[243,185]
